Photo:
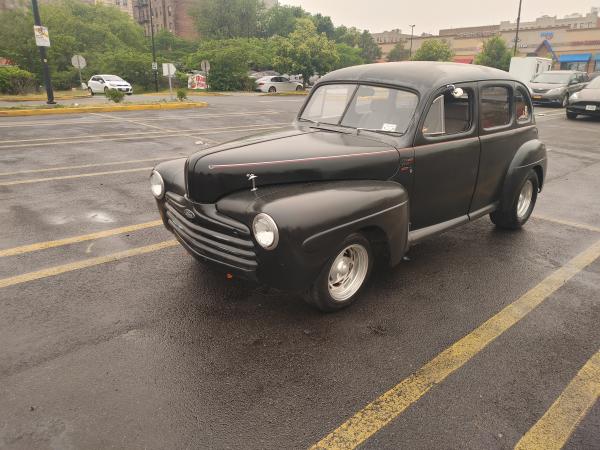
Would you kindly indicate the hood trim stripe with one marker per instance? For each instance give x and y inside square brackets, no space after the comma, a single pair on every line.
[287,161]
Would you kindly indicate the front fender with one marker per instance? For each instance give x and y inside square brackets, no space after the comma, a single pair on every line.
[314,218]
[532,154]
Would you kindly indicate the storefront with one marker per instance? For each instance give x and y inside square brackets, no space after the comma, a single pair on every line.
[578,61]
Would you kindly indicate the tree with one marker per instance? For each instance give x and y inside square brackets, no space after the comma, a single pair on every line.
[495,53]
[305,51]
[349,36]
[370,51]
[280,20]
[348,56]
[434,50]
[222,19]
[398,52]
[324,25]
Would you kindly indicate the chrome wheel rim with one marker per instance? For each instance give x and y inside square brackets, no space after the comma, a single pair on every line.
[525,197]
[348,272]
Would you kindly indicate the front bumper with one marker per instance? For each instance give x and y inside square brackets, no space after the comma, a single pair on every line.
[545,99]
[584,108]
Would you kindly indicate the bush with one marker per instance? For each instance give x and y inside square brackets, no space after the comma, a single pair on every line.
[15,81]
[115,95]
[181,94]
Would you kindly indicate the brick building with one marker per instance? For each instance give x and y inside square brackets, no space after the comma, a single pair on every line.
[171,15]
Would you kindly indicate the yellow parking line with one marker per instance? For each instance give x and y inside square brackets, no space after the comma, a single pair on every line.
[69,177]
[555,427]
[76,239]
[57,270]
[569,223]
[377,414]
[85,166]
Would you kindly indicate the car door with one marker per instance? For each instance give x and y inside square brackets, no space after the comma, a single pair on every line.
[446,152]
[506,123]
[93,84]
[287,85]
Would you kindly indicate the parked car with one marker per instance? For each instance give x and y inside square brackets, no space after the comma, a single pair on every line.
[277,84]
[555,86]
[380,157]
[99,84]
[585,102]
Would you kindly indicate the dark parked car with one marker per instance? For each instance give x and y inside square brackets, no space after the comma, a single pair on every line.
[380,157]
[555,86]
[585,102]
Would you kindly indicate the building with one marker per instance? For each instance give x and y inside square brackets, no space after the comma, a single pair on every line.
[171,15]
[571,42]
[390,37]
[124,5]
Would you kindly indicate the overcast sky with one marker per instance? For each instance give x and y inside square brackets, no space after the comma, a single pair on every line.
[431,15]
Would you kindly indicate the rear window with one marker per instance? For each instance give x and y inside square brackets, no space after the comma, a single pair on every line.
[495,106]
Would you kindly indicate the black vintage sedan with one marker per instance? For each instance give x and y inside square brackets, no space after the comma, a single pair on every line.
[585,102]
[380,157]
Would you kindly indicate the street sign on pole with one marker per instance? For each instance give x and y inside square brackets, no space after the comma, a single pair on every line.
[205,66]
[169,71]
[154,66]
[42,38]
[79,62]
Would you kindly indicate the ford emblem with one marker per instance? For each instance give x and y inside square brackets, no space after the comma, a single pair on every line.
[189,214]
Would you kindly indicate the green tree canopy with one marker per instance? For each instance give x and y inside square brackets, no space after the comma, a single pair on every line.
[495,53]
[434,50]
[370,51]
[398,52]
[348,56]
[349,36]
[224,19]
[305,51]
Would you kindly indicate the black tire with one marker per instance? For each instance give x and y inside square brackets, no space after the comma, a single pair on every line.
[508,218]
[319,295]
[299,88]
[571,115]
[91,92]
[272,89]
[105,90]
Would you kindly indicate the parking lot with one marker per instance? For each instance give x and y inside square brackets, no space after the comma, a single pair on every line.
[112,336]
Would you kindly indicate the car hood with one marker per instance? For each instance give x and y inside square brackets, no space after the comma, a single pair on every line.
[293,155]
[588,95]
[546,85]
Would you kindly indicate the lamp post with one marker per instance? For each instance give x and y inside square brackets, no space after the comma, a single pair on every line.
[45,69]
[412,32]
[517,33]
[154,64]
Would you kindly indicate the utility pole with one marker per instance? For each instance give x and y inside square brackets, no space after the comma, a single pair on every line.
[154,63]
[412,32]
[45,69]
[518,24]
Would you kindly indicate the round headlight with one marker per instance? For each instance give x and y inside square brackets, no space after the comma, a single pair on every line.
[157,185]
[265,231]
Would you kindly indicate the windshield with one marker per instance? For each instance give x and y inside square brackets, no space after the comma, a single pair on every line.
[594,84]
[553,78]
[112,78]
[365,107]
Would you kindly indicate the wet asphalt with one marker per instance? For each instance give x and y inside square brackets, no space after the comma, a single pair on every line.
[155,351]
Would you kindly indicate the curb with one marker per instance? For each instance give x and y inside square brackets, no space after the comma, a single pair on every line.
[38,98]
[110,108]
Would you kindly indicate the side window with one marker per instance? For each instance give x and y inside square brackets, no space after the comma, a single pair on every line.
[495,106]
[449,115]
[522,106]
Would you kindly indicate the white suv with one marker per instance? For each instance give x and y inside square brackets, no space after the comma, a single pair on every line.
[101,83]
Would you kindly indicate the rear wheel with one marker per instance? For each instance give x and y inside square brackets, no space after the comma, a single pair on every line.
[522,206]
[342,278]
[571,115]
[91,92]
[299,88]
[105,90]
[272,89]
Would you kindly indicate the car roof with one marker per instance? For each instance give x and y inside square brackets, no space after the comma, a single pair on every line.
[419,75]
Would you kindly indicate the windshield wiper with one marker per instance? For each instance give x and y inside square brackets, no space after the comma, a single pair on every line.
[375,130]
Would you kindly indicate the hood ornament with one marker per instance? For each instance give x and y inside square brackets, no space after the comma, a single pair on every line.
[251,177]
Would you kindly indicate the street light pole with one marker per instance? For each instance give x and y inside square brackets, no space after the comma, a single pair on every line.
[154,64]
[517,33]
[412,32]
[45,69]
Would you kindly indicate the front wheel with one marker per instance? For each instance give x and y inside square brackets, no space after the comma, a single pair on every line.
[342,278]
[299,88]
[565,101]
[522,206]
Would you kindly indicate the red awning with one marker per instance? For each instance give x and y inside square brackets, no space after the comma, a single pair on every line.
[464,59]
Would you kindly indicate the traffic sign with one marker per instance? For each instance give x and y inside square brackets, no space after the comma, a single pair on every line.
[42,38]
[205,65]
[78,61]
[168,70]
[154,66]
